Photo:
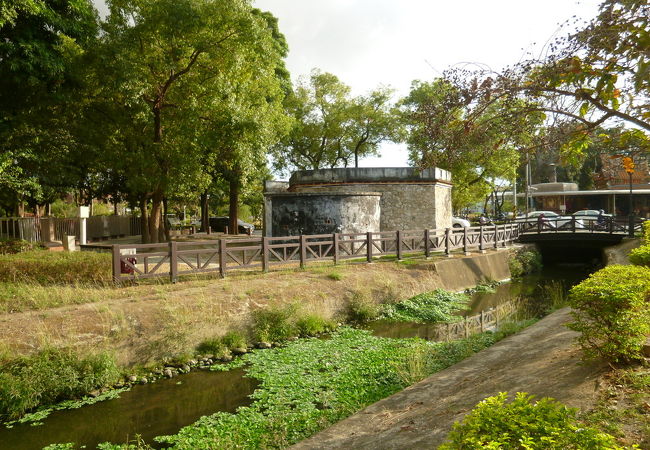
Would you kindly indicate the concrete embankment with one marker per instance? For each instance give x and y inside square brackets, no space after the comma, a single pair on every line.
[171,322]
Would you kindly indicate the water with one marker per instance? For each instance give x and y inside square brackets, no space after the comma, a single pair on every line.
[151,410]
[533,289]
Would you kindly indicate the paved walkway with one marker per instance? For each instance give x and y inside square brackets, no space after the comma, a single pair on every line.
[540,360]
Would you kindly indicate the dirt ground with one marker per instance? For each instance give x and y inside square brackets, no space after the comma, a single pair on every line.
[541,360]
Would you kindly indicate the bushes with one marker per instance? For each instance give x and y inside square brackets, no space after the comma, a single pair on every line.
[546,424]
[640,256]
[274,324]
[49,377]
[524,262]
[361,308]
[434,306]
[46,268]
[611,311]
[14,246]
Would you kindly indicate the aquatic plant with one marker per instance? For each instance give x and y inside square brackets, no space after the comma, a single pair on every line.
[429,307]
[361,308]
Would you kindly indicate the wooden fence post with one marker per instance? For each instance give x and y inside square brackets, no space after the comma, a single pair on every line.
[117,266]
[398,236]
[369,246]
[466,328]
[427,242]
[173,262]
[265,254]
[480,239]
[303,251]
[222,257]
[496,237]
[335,243]
[465,245]
[482,321]
[448,242]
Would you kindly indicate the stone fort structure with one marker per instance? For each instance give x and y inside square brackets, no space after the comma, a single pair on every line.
[357,200]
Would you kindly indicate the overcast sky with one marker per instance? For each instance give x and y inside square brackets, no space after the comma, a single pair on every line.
[367,43]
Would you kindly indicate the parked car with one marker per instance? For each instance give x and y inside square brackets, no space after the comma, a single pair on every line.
[219,224]
[589,215]
[457,222]
[551,219]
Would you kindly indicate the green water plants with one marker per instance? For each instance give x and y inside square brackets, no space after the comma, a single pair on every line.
[524,424]
[429,307]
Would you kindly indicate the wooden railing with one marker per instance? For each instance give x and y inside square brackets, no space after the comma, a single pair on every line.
[174,259]
[588,224]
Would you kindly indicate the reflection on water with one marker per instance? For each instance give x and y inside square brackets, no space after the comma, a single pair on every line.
[150,410]
[536,290]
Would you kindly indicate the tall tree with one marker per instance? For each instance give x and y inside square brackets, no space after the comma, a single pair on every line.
[162,66]
[331,127]
[453,125]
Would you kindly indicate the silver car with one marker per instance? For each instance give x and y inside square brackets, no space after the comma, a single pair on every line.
[550,220]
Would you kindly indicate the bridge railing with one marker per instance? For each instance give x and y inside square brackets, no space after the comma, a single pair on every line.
[588,224]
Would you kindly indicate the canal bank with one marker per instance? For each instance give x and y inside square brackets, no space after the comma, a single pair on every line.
[171,323]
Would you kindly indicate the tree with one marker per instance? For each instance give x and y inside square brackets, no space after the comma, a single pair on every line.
[39,41]
[161,69]
[333,128]
[454,124]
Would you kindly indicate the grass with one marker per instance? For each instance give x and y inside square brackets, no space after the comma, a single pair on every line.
[312,383]
[55,268]
[50,376]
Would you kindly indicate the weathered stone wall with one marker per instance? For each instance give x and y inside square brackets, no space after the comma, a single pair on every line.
[404,206]
[293,214]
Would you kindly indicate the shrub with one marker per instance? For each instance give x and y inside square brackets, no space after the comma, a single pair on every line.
[234,339]
[545,424]
[640,256]
[14,246]
[524,262]
[646,232]
[312,325]
[434,306]
[611,312]
[49,377]
[336,276]
[47,268]
[274,324]
[361,308]
[214,346]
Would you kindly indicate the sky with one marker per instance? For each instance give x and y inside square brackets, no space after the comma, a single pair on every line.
[368,43]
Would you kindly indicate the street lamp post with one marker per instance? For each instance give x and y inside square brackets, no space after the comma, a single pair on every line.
[629,165]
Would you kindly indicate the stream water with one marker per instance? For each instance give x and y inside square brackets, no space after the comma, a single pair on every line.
[166,406]
[150,410]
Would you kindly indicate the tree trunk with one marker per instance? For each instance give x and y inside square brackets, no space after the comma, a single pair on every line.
[234,205]
[205,214]
[144,219]
[165,223]
[154,219]
[115,204]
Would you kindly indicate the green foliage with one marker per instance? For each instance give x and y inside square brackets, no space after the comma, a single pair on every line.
[361,308]
[524,262]
[336,276]
[312,383]
[610,310]
[49,377]
[521,424]
[13,246]
[429,307]
[233,340]
[215,347]
[640,256]
[274,324]
[47,268]
[313,325]
[646,232]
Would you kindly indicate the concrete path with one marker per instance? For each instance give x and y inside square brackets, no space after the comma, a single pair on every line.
[540,360]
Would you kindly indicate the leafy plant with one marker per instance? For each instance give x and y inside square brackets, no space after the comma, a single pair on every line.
[429,307]
[51,376]
[640,256]
[611,312]
[275,324]
[522,424]
[313,325]
[361,308]
[524,262]
[233,340]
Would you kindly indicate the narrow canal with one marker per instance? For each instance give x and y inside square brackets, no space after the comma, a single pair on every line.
[166,406]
